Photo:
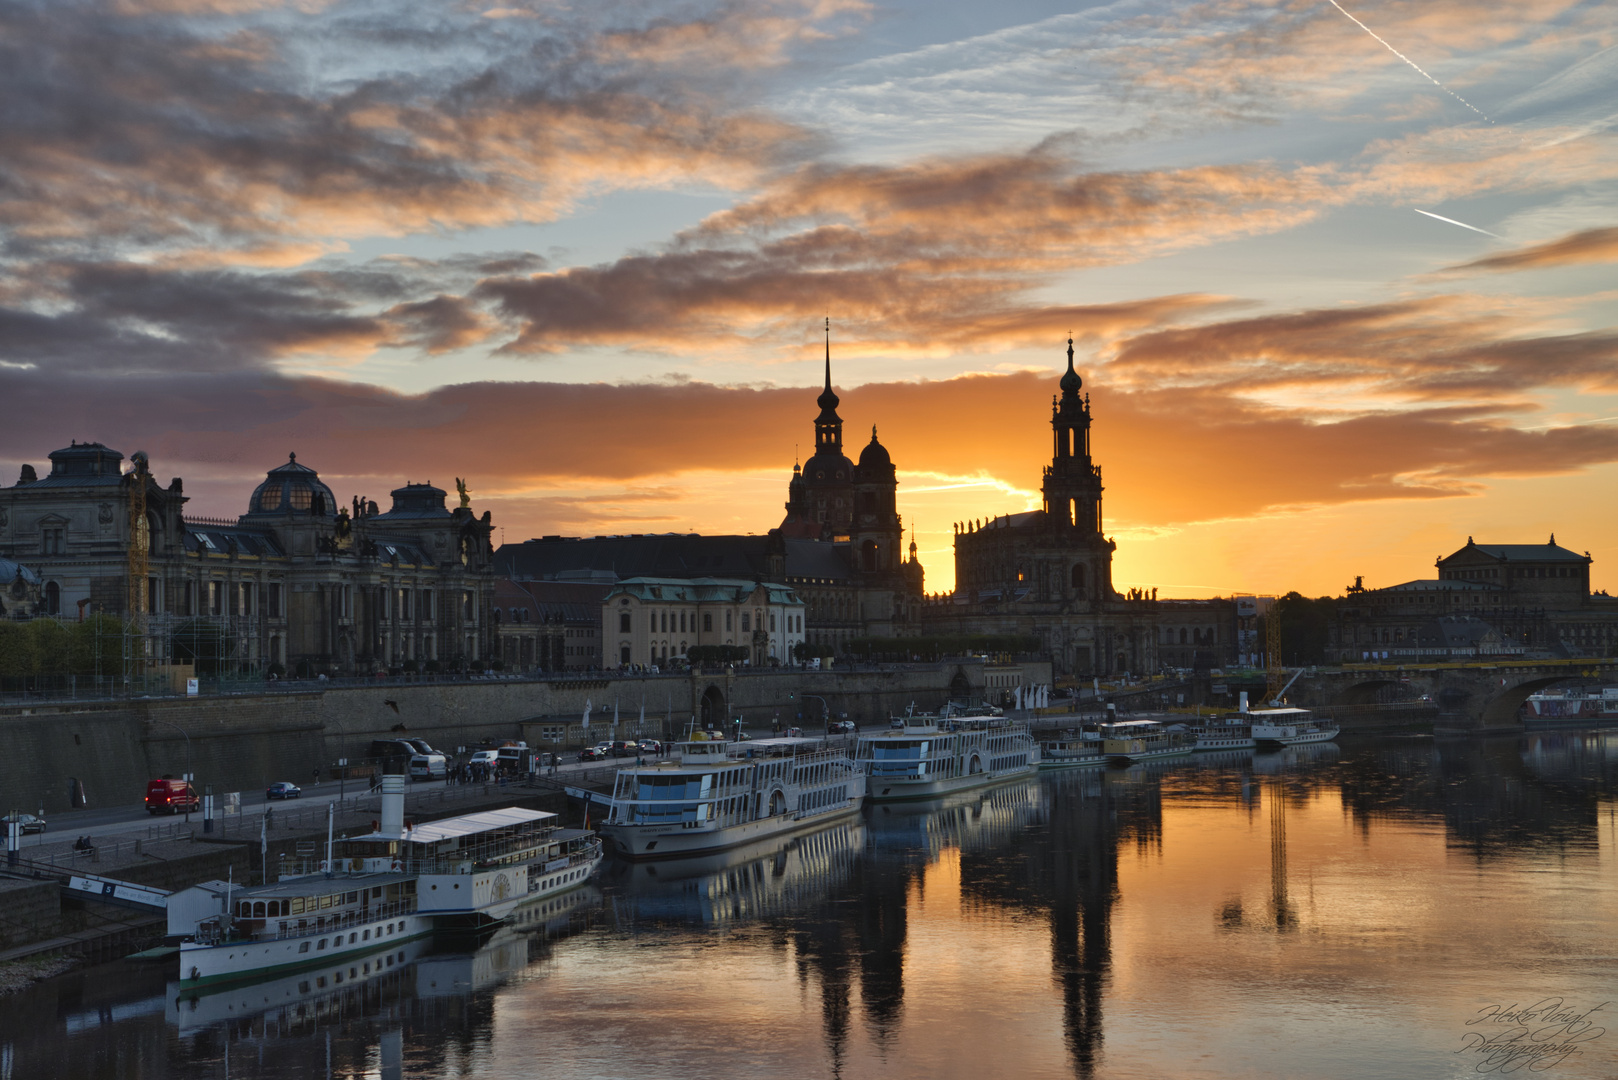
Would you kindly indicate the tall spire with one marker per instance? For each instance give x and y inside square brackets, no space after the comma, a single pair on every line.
[1070,382]
[828,400]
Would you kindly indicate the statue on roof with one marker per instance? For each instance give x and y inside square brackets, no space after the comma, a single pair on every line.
[466,496]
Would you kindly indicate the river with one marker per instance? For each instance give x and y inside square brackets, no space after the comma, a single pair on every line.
[1392,906]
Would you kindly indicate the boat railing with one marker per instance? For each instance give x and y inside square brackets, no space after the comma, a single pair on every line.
[222,929]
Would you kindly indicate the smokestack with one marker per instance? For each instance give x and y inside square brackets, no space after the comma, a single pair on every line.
[1243,706]
[392,806]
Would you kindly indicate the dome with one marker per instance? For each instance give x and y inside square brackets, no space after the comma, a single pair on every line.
[829,468]
[875,455]
[1071,381]
[293,489]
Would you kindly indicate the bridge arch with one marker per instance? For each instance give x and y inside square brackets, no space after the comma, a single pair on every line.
[1503,705]
[713,706]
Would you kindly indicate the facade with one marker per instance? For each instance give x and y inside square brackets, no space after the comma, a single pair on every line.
[297,581]
[1536,597]
[548,626]
[1047,573]
[650,621]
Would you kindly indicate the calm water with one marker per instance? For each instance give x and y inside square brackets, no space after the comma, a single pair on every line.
[1376,908]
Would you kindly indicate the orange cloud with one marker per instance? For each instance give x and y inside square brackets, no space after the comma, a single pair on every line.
[1588,246]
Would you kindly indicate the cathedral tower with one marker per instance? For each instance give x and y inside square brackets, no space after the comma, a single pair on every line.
[1072,485]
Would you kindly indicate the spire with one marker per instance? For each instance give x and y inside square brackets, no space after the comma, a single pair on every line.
[828,401]
[1070,381]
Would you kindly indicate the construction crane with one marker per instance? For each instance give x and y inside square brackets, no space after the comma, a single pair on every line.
[1273,673]
[140,540]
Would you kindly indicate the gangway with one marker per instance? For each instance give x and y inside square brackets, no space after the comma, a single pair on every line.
[112,891]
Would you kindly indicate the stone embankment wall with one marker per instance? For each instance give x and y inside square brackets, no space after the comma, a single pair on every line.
[243,743]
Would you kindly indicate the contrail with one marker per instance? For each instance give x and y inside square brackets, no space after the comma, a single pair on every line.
[1462,224]
[1413,64]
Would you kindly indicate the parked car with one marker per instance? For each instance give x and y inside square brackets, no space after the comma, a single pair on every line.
[623,749]
[283,790]
[592,753]
[651,746]
[25,822]
[171,796]
[843,725]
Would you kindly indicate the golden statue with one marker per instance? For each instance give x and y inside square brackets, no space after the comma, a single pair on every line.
[466,496]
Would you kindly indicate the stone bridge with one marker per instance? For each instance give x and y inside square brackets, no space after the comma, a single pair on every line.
[1473,697]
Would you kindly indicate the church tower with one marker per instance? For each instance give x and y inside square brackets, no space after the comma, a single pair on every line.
[820,499]
[1072,485]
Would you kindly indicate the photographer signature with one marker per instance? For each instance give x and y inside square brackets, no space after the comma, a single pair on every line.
[1534,1037]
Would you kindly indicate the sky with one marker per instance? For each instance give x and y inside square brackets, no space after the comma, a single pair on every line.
[1339,278]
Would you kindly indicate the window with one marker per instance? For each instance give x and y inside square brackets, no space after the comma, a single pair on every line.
[624,654]
[270,498]
[707,621]
[746,623]
[665,622]
[623,622]
[216,597]
[427,604]
[302,496]
[53,598]
[727,621]
[772,622]
[54,542]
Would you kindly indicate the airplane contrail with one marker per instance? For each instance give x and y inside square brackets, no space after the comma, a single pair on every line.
[1415,65]
[1462,224]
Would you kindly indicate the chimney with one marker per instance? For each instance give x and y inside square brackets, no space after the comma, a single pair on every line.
[392,806]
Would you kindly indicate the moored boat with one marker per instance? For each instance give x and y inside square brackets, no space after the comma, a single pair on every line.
[714,796]
[1144,740]
[1289,727]
[1069,750]
[1225,733]
[927,756]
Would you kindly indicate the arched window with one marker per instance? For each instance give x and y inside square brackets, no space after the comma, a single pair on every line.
[53,598]
[1079,578]
[302,496]
[270,497]
[869,555]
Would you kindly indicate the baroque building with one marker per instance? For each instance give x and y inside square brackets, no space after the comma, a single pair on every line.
[1536,597]
[839,548]
[297,582]
[1047,573]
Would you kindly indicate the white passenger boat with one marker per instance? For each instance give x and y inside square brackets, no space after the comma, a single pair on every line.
[1225,733]
[1572,705]
[716,795]
[1288,727]
[1144,740]
[391,885]
[1071,750]
[928,756]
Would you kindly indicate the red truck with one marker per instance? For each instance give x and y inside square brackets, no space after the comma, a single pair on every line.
[169,796]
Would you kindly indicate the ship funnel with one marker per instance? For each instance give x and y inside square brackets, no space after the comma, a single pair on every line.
[392,806]
[1243,706]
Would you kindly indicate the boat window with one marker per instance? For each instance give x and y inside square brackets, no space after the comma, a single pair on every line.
[321,944]
[303,946]
[888,749]
[297,905]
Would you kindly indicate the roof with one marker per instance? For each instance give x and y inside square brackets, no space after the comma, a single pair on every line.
[316,885]
[817,559]
[700,590]
[471,824]
[1436,585]
[11,570]
[649,555]
[218,540]
[1551,552]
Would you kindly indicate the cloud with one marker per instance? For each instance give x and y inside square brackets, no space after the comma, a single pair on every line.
[263,134]
[1588,246]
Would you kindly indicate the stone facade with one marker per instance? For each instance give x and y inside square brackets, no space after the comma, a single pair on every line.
[648,621]
[1536,596]
[1047,573]
[297,581]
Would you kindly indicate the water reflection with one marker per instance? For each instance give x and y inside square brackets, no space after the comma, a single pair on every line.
[1095,923]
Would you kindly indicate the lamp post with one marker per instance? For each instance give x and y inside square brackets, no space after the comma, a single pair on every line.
[182,731]
[826,710]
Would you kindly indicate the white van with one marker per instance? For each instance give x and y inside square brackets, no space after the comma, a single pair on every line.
[428,767]
[491,758]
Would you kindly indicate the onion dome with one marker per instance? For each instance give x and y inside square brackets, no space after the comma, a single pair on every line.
[1071,381]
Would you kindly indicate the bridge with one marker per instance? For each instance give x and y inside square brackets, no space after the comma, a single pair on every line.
[1478,696]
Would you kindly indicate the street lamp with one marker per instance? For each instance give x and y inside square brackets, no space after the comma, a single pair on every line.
[826,709]
[182,731]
